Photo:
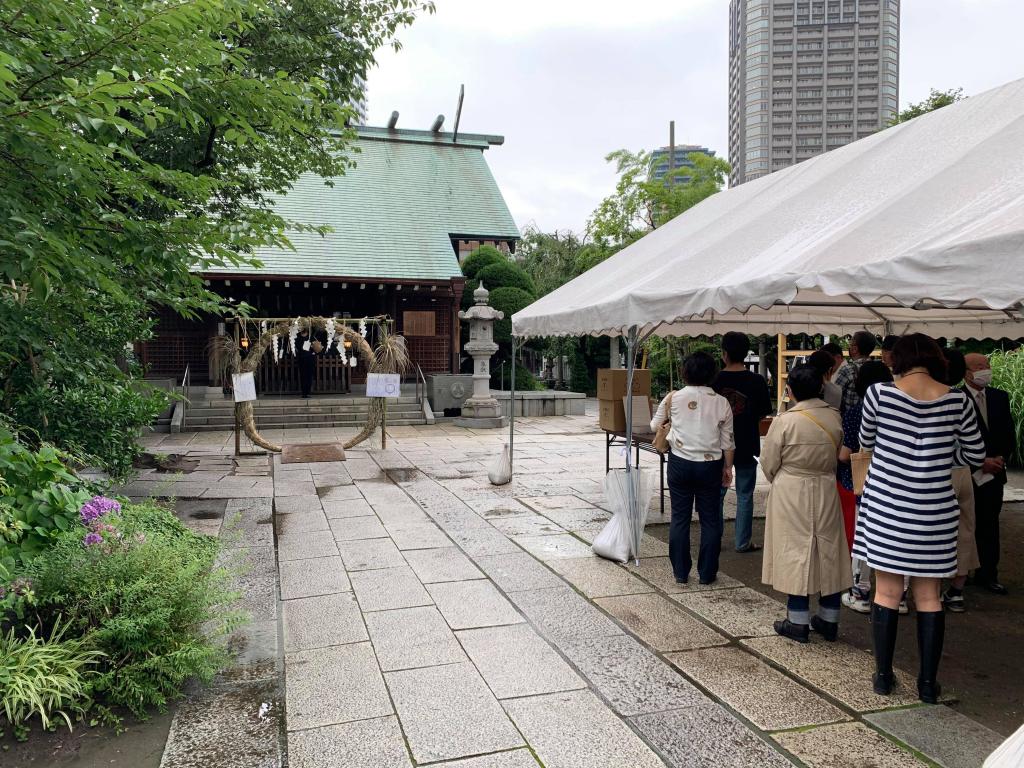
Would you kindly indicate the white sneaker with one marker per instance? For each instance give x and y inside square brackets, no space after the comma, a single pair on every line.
[857,601]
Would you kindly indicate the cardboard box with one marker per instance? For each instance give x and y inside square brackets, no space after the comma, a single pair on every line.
[611,415]
[611,383]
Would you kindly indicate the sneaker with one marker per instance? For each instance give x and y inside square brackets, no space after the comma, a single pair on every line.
[857,601]
[904,608]
[954,603]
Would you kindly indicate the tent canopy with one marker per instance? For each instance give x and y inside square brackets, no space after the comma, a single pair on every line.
[919,227]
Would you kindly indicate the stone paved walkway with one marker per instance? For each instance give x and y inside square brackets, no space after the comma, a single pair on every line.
[430,618]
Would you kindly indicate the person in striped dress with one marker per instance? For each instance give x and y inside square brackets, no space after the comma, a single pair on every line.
[918,430]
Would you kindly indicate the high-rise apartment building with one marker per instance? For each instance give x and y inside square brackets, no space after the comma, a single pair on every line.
[660,160]
[807,76]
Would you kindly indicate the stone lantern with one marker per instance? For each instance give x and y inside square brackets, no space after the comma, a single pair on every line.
[481,411]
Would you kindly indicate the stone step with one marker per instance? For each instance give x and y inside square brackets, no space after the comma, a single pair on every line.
[271,402]
[227,420]
[291,425]
[197,413]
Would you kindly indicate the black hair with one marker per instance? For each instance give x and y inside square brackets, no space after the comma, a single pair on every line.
[823,361]
[872,372]
[865,341]
[832,348]
[805,382]
[889,342]
[699,369]
[919,351]
[956,366]
[736,345]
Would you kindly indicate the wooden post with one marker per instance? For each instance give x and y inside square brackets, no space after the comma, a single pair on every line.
[384,427]
[238,437]
[780,374]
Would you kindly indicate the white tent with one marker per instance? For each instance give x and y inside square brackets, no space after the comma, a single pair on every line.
[919,227]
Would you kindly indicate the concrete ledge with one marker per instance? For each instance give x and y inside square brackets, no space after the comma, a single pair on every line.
[177,417]
[492,422]
[544,403]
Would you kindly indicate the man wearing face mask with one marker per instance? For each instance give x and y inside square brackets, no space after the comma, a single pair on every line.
[998,432]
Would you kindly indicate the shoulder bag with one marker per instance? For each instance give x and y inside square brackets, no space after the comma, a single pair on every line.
[661,436]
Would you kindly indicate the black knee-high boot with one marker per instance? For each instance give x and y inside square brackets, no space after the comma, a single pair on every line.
[931,632]
[884,623]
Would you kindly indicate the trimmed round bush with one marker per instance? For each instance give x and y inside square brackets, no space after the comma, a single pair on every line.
[506,275]
[509,300]
[482,257]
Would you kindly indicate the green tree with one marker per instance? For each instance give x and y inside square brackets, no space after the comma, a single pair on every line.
[141,143]
[482,257]
[936,100]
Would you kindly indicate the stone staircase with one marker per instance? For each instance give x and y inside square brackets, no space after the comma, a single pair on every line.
[210,411]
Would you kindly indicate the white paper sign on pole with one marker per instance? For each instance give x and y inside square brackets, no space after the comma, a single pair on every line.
[245,387]
[383,385]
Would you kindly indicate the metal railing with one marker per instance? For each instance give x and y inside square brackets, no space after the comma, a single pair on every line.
[186,384]
[420,379]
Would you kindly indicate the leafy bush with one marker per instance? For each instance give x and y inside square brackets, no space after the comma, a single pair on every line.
[1008,374]
[142,589]
[509,301]
[482,257]
[506,275]
[44,679]
[39,499]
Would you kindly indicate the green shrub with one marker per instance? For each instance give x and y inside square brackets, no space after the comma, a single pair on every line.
[482,257]
[144,590]
[1008,374]
[39,499]
[509,301]
[44,679]
[506,275]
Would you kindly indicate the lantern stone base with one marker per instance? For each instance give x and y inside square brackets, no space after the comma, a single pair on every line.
[492,422]
[481,413]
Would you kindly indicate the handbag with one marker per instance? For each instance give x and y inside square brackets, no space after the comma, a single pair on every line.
[859,463]
[661,436]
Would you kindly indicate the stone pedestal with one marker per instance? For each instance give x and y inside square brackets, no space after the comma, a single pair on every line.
[481,410]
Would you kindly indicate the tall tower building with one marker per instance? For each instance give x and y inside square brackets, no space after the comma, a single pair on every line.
[807,76]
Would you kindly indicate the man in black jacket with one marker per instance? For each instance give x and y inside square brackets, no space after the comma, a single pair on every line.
[1000,437]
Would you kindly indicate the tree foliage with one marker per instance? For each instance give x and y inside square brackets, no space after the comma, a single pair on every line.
[936,100]
[506,275]
[482,257]
[143,142]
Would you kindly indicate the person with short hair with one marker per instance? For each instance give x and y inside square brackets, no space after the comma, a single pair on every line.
[805,550]
[700,461]
[917,429]
[862,344]
[858,598]
[748,394]
[998,432]
[888,343]
[826,364]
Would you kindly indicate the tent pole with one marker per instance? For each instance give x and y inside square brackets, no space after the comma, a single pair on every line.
[633,511]
[512,410]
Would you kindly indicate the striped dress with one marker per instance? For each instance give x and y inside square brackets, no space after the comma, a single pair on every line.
[909,514]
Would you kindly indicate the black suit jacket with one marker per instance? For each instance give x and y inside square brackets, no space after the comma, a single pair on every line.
[999,434]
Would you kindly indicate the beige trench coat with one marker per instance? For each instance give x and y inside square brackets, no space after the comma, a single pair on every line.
[805,550]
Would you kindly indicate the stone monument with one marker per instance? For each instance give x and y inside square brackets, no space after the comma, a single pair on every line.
[481,410]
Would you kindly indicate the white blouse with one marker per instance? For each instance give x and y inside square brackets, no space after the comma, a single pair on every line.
[701,424]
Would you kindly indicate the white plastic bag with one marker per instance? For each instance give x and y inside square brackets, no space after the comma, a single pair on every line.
[619,539]
[501,470]
[1009,754]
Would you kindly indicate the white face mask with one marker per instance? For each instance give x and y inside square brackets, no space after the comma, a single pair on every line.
[982,378]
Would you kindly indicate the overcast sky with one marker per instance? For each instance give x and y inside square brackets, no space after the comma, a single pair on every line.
[567,81]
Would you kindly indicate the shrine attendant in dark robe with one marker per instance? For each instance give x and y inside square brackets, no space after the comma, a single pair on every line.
[307,362]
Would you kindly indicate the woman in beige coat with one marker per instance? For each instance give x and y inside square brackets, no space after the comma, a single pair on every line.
[805,550]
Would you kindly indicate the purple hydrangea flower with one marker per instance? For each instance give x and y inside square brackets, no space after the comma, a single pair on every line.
[96,508]
[92,538]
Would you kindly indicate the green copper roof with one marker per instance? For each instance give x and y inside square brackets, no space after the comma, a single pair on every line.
[394,214]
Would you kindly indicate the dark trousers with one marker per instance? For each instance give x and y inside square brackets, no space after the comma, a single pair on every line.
[700,482]
[988,501]
[307,369]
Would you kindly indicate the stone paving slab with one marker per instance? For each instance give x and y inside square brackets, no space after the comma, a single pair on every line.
[516,758]
[469,604]
[658,571]
[288,505]
[357,528]
[763,695]
[631,678]
[576,730]
[517,572]
[413,637]
[846,745]
[388,588]
[369,554]
[562,615]
[442,564]
[740,612]
[941,734]
[301,522]
[375,743]
[254,576]
[515,661]
[571,519]
[339,509]
[317,622]
[417,535]
[706,736]
[315,576]
[293,488]
[482,541]
[552,547]
[334,685]
[302,546]
[339,493]
[661,623]
[596,577]
[842,671]
[526,525]
[448,712]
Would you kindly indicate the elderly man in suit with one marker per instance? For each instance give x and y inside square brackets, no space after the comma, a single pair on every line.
[998,432]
